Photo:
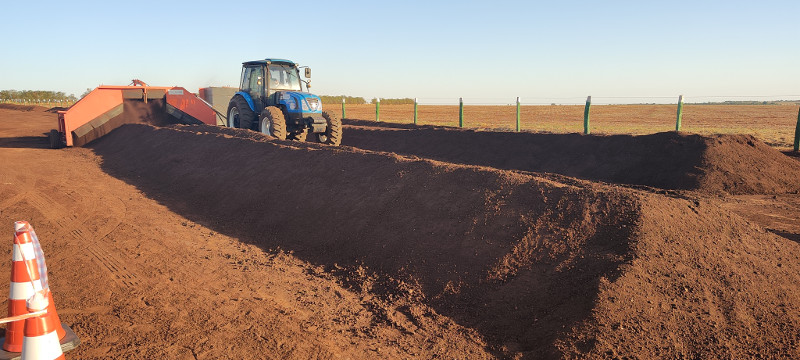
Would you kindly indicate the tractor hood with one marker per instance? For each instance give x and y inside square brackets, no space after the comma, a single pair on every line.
[299,102]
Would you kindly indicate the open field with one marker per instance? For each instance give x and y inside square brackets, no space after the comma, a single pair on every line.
[773,124]
[201,242]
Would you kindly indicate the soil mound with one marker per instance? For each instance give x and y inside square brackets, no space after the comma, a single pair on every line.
[430,230]
[540,268]
[26,108]
[703,283]
[734,164]
[744,165]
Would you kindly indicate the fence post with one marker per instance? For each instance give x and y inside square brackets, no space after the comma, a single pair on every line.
[461,112]
[517,113]
[586,115]
[415,111]
[797,133]
[378,109]
[344,115]
[680,113]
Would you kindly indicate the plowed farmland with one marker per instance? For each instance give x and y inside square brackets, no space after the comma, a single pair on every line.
[410,242]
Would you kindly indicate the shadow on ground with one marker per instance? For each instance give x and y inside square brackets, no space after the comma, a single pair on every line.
[785,234]
[732,164]
[29,142]
[665,160]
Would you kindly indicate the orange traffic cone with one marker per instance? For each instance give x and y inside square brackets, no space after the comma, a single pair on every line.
[29,276]
[24,283]
[41,333]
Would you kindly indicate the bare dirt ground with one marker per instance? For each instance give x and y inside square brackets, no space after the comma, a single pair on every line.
[203,242]
[134,279]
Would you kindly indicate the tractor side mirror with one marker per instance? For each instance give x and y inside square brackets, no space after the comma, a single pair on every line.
[308,73]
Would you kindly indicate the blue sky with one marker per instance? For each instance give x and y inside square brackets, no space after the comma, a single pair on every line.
[486,52]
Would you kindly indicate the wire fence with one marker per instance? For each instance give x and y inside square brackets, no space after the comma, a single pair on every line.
[617,100]
[772,118]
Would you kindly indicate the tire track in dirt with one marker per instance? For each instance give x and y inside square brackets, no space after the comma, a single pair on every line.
[8,202]
[119,272]
[72,224]
[63,220]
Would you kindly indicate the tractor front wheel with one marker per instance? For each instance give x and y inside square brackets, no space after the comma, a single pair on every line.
[333,134]
[273,123]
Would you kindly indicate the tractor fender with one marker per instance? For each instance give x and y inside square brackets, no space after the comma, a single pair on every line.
[247,98]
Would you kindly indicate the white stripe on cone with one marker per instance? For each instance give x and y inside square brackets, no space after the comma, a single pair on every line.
[23,249]
[44,347]
[24,290]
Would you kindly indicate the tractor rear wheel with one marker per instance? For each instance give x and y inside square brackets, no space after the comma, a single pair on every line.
[273,123]
[239,114]
[333,134]
[55,139]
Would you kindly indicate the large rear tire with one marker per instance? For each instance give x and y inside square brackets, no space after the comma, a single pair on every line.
[239,114]
[55,139]
[333,134]
[273,123]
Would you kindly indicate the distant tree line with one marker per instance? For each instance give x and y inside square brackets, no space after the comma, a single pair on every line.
[333,99]
[403,101]
[33,95]
[751,102]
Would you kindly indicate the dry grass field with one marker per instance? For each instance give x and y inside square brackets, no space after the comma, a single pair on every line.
[773,124]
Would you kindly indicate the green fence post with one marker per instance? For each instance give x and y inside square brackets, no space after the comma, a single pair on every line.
[680,114]
[378,109]
[797,133]
[415,111]
[461,112]
[586,115]
[344,114]
[517,113]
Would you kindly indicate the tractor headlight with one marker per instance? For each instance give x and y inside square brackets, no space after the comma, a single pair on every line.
[293,104]
[314,104]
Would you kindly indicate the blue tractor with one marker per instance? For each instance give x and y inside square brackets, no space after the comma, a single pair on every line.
[270,99]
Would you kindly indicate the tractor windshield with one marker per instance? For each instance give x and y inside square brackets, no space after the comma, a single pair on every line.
[283,77]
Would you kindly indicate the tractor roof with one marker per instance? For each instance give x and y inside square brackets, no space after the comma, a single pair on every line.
[266,61]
